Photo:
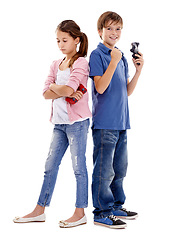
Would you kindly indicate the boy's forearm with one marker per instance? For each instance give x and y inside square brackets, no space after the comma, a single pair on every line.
[138,63]
[132,84]
[103,82]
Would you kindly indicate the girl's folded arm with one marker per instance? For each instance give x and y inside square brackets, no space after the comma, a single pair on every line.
[61,90]
[50,95]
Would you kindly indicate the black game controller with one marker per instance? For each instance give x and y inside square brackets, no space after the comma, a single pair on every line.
[134,50]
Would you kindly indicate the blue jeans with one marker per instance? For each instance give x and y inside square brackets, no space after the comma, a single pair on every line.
[65,135]
[110,167]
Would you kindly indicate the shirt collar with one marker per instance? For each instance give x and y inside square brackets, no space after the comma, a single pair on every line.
[105,49]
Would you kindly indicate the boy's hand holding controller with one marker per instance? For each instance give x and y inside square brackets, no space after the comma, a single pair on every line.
[137,56]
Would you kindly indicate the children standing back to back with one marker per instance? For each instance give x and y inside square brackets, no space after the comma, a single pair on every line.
[110,90]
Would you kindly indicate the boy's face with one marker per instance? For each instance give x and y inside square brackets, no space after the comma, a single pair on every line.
[110,34]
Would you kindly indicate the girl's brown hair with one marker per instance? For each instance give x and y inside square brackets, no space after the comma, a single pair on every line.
[69,26]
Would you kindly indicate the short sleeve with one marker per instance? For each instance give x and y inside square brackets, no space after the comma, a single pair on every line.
[96,65]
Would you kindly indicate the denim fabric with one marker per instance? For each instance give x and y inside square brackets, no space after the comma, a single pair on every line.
[110,167]
[65,135]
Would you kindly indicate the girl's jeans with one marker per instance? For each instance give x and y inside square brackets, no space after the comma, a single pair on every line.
[65,135]
[110,167]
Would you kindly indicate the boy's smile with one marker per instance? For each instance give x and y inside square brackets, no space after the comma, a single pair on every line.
[110,34]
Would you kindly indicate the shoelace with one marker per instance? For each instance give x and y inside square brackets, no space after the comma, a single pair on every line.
[112,217]
[125,210]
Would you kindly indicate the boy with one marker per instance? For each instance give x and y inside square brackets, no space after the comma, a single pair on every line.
[110,91]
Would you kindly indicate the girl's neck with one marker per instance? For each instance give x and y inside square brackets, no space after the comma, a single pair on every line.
[65,63]
[70,55]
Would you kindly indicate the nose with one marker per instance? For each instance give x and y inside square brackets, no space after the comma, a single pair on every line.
[60,45]
[113,31]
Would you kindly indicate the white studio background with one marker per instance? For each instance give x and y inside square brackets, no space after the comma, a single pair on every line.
[155,180]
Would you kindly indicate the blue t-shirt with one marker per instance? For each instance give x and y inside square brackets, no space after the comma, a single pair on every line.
[110,109]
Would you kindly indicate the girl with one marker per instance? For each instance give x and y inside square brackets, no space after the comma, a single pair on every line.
[71,122]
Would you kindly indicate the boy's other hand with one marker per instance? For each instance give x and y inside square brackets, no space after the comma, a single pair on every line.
[116,55]
[139,60]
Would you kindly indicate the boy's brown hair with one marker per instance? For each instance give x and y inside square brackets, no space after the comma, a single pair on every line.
[107,17]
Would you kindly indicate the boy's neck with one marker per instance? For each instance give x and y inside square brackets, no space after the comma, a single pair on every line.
[108,46]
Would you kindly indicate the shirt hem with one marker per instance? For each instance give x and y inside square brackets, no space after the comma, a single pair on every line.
[111,128]
[70,123]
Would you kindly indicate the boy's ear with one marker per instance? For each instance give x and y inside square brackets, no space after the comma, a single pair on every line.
[100,33]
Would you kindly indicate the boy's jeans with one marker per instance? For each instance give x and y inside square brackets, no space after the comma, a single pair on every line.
[65,135]
[110,167]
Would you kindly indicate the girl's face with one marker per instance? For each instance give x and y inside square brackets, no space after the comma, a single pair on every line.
[111,34]
[66,43]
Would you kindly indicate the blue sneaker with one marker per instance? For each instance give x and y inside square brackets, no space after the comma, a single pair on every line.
[124,214]
[110,222]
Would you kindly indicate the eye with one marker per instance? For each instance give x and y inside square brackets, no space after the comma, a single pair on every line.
[109,28]
[118,29]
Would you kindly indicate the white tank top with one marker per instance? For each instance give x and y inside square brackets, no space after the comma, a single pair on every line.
[60,115]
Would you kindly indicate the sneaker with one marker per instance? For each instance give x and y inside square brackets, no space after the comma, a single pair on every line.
[110,222]
[124,214]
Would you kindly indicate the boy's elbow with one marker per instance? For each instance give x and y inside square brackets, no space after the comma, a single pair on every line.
[98,85]
[129,93]
[100,90]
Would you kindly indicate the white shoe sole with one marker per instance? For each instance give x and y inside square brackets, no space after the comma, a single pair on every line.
[82,221]
[111,226]
[40,218]
[128,218]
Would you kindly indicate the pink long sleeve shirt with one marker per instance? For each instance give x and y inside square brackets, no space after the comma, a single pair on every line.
[79,73]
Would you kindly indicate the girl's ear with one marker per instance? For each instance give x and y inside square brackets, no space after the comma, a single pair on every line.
[77,40]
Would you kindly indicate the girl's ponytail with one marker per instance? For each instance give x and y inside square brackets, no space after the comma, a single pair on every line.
[82,52]
[73,29]
[83,45]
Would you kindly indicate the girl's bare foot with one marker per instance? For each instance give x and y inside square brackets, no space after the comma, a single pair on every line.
[78,214]
[36,212]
